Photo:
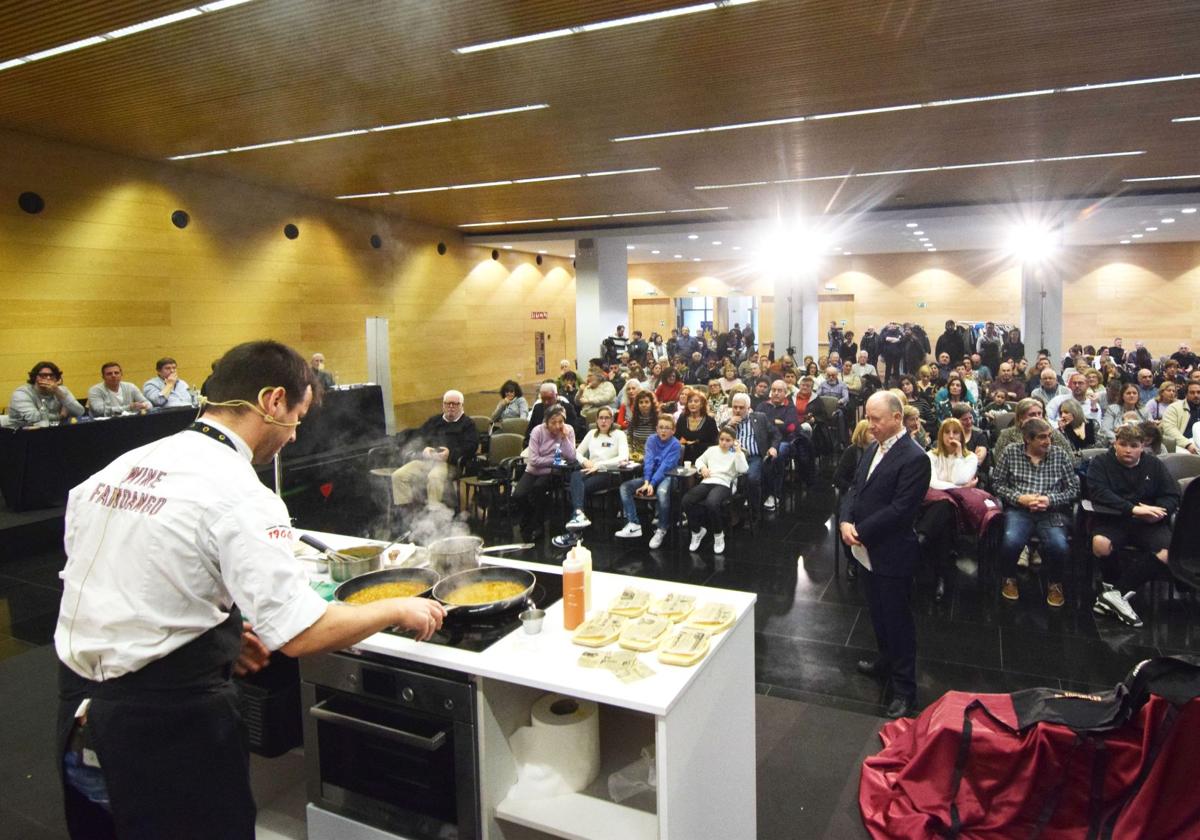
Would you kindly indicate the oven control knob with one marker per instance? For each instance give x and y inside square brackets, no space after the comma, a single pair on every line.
[352,679]
[449,704]
[406,694]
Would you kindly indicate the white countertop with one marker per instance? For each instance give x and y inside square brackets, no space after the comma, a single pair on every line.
[549,660]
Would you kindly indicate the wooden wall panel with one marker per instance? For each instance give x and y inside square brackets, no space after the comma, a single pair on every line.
[102,274]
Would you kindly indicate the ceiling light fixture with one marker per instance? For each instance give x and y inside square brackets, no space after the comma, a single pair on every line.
[918,233]
[679,256]
[534,180]
[581,218]
[1151,229]
[356,131]
[939,103]
[716,242]
[737,247]
[693,236]
[1136,236]
[543,252]
[656,252]
[695,259]
[1161,178]
[912,225]
[1124,241]
[640,213]
[1185,119]
[613,23]
[1188,210]
[132,29]
[1168,221]
[629,247]
[1095,156]
[622,171]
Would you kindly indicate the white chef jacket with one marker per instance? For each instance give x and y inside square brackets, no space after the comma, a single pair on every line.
[162,542]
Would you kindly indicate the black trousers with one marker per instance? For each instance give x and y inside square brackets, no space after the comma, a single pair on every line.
[895,632]
[530,498]
[938,526]
[702,504]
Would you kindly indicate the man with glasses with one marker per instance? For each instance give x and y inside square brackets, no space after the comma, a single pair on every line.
[43,400]
[759,440]
[442,446]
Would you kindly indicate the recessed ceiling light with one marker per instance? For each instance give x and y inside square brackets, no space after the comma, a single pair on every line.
[1124,241]
[1168,221]
[543,252]
[507,247]
[656,252]
[847,253]
[912,225]
[571,256]
[716,242]
[737,247]
[923,239]
[597,26]
[693,236]
[1136,236]
[695,259]
[1151,229]
[1188,210]
[628,247]
[931,250]
[938,103]
[679,256]
[918,233]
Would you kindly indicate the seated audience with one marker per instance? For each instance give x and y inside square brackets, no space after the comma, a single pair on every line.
[1130,403]
[317,363]
[1013,388]
[1180,421]
[1049,387]
[761,391]
[832,386]
[1038,484]
[112,396]
[642,423]
[596,392]
[625,404]
[976,440]
[1080,432]
[568,386]
[781,414]
[443,444]
[668,391]
[696,429]
[548,396]
[863,367]
[953,466]
[1013,349]
[1145,385]
[719,467]
[852,380]
[759,440]
[1030,408]
[512,404]
[728,379]
[1135,497]
[43,399]
[552,444]
[955,391]
[1080,393]
[912,423]
[717,399]
[662,456]
[860,439]
[167,390]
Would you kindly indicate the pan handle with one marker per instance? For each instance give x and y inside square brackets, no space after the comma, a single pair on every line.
[494,549]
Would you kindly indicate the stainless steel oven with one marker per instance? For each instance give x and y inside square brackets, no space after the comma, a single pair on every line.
[391,745]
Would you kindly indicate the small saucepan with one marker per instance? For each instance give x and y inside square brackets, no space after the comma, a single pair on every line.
[428,578]
[348,563]
[447,586]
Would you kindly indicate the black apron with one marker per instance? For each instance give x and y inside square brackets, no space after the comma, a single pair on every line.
[171,744]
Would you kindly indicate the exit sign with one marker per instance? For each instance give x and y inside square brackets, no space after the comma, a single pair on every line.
[537,316]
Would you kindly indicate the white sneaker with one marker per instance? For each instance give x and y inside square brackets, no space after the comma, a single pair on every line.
[1035,559]
[654,521]
[579,521]
[631,529]
[1023,560]
[657,539]
[719,543]
[1112,602]
[769,503]
[697,538]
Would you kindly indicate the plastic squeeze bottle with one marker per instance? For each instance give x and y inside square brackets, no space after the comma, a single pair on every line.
[585,557]
[574,597]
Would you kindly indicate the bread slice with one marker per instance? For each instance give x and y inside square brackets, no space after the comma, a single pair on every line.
[713,617]
[674,606]
[642,634]
[631,603]
[600,630]
[685,646]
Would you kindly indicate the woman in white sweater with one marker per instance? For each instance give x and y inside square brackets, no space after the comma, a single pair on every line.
[719,468]
[953,465]
[602,450]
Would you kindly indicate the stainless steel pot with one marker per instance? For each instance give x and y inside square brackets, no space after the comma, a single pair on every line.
[351,562]
[451,555]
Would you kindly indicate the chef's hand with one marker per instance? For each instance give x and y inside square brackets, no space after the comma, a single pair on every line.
[423,616]
[254,656]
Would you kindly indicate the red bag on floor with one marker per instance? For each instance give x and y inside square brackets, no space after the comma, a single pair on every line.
[1045,763]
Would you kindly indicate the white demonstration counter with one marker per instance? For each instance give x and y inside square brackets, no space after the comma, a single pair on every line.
[700,719]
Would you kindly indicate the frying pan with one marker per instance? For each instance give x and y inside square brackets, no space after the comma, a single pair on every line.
[448,585]
[428,577]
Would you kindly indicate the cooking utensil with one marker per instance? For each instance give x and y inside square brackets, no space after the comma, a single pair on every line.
[428,577]
[531,620]
[450,555]
[347,563]
[484,574]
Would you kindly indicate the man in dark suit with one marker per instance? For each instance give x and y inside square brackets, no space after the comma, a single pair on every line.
[759,439]
[877,518]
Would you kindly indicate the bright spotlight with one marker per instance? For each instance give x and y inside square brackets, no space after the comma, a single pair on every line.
[790,248]
[1034,243]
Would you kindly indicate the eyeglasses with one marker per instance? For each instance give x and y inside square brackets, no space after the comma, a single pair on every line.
[450,403]
[45,375]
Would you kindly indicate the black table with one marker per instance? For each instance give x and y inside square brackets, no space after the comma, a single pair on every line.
[38,467]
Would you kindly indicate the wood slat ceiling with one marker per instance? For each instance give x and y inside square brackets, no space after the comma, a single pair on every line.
[275,69]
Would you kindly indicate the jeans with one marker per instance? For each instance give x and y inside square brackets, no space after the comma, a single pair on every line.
[1019,526]
[754,480]
[581,485]
[777,468]
[663,494]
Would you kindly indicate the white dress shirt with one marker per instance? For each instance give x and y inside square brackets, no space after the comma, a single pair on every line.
[859,552]
[162,542]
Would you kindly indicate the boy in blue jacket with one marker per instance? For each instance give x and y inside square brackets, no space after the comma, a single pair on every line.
[662,455]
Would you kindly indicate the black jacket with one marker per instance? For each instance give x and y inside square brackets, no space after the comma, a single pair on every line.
[1114,485]
[950,342]
[766,435]
[537,416]
[460,437]
[884,507]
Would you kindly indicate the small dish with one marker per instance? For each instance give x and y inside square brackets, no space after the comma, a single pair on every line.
[531,621]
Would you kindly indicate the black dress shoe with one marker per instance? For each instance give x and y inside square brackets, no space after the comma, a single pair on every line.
[852,570]
[901,707]
[939,589]
[872,669]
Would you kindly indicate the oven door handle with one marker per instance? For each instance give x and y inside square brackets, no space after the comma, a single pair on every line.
[410,739]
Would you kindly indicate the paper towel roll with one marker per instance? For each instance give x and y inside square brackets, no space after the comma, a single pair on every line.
[560,752]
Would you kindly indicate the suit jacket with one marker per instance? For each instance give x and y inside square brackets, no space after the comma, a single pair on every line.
[884,507]
[765,433]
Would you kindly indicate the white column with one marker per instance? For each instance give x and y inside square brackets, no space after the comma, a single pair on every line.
[601,294]
[797,317]
[1042,308]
